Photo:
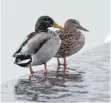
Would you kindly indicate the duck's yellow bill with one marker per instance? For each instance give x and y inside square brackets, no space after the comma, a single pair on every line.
[57,26]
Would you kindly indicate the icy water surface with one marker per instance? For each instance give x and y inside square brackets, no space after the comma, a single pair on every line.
[87,80]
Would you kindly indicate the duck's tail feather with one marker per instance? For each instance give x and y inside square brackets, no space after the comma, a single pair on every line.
[23,60]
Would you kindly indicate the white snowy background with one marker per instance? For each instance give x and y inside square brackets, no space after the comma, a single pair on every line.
[19,17]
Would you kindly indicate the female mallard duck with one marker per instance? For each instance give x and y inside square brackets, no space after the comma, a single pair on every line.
[39,46]
[72,40]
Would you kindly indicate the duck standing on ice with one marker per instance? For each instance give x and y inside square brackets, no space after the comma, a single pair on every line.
[39,46]
[72,40]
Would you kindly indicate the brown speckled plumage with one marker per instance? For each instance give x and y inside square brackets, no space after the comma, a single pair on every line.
[72,40]
[69,41]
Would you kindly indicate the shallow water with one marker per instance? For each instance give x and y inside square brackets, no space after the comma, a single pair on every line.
[87,80]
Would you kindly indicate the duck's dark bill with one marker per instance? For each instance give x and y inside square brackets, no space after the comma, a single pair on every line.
[82,28]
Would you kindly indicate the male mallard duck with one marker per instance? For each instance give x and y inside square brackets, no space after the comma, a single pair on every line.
[39,46]
[72,40]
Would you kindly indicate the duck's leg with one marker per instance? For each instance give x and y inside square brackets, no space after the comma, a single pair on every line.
[45,66]
[65,64]
[58,62]
[31,70]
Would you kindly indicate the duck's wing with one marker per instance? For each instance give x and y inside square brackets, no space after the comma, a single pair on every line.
[32,44]
[23,43]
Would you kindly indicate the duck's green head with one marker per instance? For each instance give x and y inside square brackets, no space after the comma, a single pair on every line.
[44,22]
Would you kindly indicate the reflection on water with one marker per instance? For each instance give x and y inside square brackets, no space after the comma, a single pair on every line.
[87,80]
[41,87]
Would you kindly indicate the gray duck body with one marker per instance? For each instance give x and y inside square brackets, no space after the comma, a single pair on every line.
[48,50]
[40,46]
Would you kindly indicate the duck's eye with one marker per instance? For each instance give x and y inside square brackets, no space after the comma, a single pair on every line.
[74,22]
[48,23]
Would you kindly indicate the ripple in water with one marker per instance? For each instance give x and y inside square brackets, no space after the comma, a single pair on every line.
[87,80]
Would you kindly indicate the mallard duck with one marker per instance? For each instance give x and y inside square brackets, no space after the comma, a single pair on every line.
[72,40]
[39,46]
